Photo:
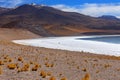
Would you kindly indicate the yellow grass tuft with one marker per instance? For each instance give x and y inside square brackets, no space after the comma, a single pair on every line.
[43,74]
[20,59]
[107,65]
[49,73]
[11,66]
[25,67]
[1,71]
[63,78]
[49,65]
[19,70]
[52,78]
[86,77]
[84,69]
[1,63]
[9,60]
[35,68]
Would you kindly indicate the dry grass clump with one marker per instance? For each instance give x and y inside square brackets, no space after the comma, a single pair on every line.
[97,71]
[95,65]
[19,70]
[20,59]
[31,62]
[1,62]
[84,69]
[118,69]
[49,65]
[25,67]
[11,66]
[46,58]
[9,60]
[52,78]
[86,61]
[86,77]
[63,78]
[78,67]
[43,74]
[107,65]
[1,70]
[5,57]
[35,68]
[49,73]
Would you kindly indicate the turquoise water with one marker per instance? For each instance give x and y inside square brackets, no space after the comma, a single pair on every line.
[107,39]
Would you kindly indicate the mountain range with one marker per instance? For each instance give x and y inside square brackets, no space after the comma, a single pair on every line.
[48,21]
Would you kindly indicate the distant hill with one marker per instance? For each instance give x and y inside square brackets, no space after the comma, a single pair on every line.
[48,21]
[2,10]
[109,17]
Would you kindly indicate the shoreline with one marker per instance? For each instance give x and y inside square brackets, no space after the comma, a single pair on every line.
[62,43]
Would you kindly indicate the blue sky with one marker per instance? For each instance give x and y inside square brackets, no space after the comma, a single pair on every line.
[88,7]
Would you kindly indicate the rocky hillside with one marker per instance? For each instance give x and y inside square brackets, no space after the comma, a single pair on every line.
[48,21]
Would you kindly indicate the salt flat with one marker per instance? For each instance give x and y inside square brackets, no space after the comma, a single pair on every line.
[78,43]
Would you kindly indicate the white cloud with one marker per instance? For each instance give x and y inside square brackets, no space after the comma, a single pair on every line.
[10,3]
[93,9]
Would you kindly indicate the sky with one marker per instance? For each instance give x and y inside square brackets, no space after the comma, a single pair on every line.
[93,8]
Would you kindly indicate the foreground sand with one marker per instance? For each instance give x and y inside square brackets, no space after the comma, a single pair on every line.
[30,62]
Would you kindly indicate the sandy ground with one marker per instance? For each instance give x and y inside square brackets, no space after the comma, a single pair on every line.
[15,34]
[32,63]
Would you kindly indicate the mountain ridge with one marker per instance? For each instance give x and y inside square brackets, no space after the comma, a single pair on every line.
[48,21]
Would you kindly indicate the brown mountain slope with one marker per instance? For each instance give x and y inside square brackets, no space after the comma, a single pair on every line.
[3,10]
[15,34]
[48,21]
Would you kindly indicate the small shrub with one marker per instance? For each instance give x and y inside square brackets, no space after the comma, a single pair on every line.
[31,62]
[19,70]
[63,78]
[118,69]
[17,65]
[49,73]
[9,60]
[52,78]
[1,71]
[20,59]
[6,57]
[37,65]
[43,74]
[5,61]
[49,65]
[86,77]
[1,63]
[107,65]
[35,68]
[25,67]
[78,67]
[60,74]
[46,58]
[84,69]
[11,66]
[97,71]
[52,65]
[86,61]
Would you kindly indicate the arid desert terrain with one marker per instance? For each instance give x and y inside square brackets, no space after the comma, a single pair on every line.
[30,21]
[18,62]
